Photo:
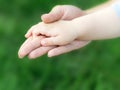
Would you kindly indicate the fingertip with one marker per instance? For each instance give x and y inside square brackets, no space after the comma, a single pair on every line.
[45,18]
[42,18]
[31,57]
[48,18]
[21,53]
[20,56]
[50,55]
[26,36]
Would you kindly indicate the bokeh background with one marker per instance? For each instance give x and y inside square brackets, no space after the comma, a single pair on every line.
[94,67]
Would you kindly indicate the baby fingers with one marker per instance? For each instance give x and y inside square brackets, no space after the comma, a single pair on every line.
[29,32]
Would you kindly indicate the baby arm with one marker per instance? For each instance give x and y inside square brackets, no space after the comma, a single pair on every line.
[104,24]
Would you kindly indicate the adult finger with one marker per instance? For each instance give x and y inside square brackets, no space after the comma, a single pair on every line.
[67,48]
[29,46]
[39,52]
[20,53]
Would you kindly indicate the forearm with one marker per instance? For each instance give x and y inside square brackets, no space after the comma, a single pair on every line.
[103,24]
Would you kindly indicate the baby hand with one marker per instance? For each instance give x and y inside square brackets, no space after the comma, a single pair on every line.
[58,33]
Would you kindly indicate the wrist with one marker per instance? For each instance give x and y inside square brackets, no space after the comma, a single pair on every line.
[82,26]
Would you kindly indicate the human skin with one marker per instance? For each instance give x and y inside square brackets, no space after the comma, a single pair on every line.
[32,48]
[102,24]
[35,51]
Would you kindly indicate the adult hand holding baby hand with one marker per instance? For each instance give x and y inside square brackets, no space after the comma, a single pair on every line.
[32,48]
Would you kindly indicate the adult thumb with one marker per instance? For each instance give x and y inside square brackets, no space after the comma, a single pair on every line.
[55,15]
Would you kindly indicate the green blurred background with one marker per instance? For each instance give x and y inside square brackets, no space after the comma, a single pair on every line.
[94,67]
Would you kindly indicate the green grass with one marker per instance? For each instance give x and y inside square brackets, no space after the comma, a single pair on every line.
[94,67]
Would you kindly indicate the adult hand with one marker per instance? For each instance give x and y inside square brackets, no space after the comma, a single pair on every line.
[32,48]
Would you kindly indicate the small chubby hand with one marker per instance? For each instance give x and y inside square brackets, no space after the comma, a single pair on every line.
[57,33]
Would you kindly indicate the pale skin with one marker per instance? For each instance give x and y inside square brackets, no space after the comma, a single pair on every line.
[34,50]
[103,24]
